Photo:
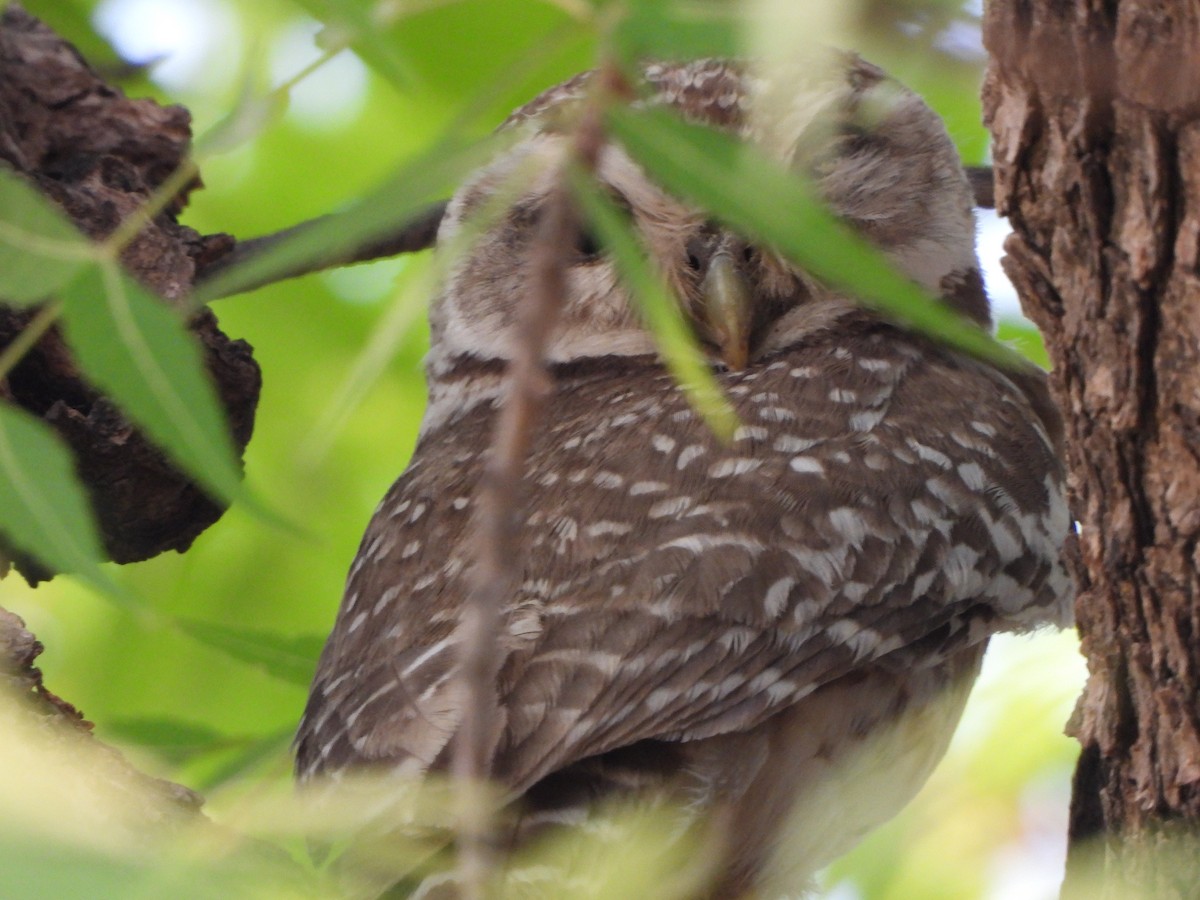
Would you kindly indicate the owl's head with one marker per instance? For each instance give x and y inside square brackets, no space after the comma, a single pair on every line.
[879,156]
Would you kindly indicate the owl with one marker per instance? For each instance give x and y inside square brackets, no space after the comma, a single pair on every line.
[778,631]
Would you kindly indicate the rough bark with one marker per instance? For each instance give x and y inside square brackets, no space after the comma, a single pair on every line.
[101,155]
[1094,109]
[135,803]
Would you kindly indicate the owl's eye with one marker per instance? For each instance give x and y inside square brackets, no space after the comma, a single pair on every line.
[587,246]
[854,136]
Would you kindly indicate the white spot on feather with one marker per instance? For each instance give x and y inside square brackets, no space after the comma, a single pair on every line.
[687,454]
[729,467]
[806,465]
[662,443]
[777,597]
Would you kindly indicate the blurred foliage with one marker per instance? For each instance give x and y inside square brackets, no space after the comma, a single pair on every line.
[207,690]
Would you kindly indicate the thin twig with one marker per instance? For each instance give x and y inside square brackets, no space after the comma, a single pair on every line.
[418,234]
[15,351]
[497,555]
[527,389]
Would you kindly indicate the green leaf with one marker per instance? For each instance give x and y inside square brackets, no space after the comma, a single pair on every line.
[137,350]
[404,196]
[173,739]
[252,754]
[289,658]
[40,250]
[44,510]
[1023,338]
[657,307]
[679,30]
[728,178]
[357,24]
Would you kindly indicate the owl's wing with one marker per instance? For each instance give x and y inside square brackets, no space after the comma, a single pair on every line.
[880,502]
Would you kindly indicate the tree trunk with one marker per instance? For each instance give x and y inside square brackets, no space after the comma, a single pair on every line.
[1093,109]
[101,156]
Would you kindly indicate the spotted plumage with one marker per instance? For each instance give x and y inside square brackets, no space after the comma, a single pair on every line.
[721,623]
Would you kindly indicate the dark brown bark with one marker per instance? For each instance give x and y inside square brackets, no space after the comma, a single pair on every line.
[101,155]
[1094,109]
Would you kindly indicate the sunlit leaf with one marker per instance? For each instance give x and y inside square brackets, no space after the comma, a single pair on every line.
[43,508]
[400,199]
[40,250]
[136,349]
[660,312]
[729,177]
[679,29]
[1024,338]
[290,658]
[356,24]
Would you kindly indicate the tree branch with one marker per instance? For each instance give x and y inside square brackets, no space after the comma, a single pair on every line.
[419,234]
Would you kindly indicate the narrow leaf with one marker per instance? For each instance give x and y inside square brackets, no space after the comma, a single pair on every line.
[40,250]
[680,29]
[173,739]
[409,192]
[729,178]
[137,350]
[658,309]
[1025,339]
[44,510]
[289,658]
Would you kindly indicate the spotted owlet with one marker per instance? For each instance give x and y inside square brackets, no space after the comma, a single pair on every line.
[780,630]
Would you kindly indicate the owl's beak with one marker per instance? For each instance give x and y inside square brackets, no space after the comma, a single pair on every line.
[727,306]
